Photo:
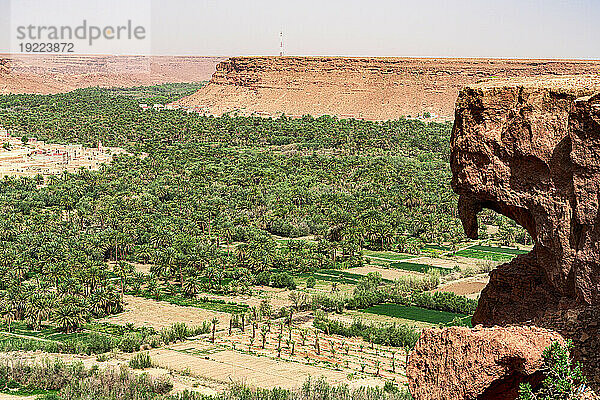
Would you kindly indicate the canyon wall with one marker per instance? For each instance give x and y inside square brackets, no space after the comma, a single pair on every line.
[368,88]
[47,74]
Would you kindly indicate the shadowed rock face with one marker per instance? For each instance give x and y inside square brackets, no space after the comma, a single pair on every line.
[530,150]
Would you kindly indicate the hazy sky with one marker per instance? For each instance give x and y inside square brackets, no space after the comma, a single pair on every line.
[431,28]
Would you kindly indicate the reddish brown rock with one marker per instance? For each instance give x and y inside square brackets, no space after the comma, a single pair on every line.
[357,87]
[482,363]
[530,149]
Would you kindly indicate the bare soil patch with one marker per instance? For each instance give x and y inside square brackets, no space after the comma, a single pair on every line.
[467,286]
[156,314]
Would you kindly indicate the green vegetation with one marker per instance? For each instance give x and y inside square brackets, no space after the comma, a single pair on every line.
[502,250]
[140,361]
[484,255]
[386,255]
[413,313]
[316,389]
[57,380]
[564,379]
[397,335]
[98,338]
[372,290]
[415,267]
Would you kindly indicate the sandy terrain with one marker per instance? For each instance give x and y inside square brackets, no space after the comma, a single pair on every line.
[46,74]
[368,88]
[146,312]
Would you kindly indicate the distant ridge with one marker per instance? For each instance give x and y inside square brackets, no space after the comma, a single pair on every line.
[47,74]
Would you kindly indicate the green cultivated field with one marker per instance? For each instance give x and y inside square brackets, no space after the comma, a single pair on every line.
[502,250]
[484,255]
[413,313]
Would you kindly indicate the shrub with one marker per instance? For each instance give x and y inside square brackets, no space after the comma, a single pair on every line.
[130,343]
[311,282]
[396,335]
[564,380]
[262,278]
[283,280]
[140,361]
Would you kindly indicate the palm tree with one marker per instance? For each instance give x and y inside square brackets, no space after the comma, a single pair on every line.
[69,317]
[123,269]
[7,312]
[191,286]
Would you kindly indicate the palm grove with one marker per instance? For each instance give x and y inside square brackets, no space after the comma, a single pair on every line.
[200,199]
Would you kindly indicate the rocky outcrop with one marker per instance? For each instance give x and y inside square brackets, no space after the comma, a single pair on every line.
[368,88]
[530,149]
[483,363]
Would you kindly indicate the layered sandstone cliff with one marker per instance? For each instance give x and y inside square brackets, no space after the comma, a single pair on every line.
[530,149]
[369,88]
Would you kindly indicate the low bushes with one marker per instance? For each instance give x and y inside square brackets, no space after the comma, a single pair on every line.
[275,279]
[444,301]
[396,335]
[140,361]
[314,390]
[127,340]
[409,292]
[75,382]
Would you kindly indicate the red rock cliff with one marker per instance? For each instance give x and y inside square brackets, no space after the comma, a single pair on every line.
[369,88]
[530,149]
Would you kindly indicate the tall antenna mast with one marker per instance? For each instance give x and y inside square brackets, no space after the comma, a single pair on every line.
[281,44]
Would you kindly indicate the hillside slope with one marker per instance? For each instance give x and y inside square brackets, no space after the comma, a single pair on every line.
[49,74]
[369,88]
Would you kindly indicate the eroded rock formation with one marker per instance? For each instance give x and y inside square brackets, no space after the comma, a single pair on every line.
[368,88]
[530,149]
[483,363]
